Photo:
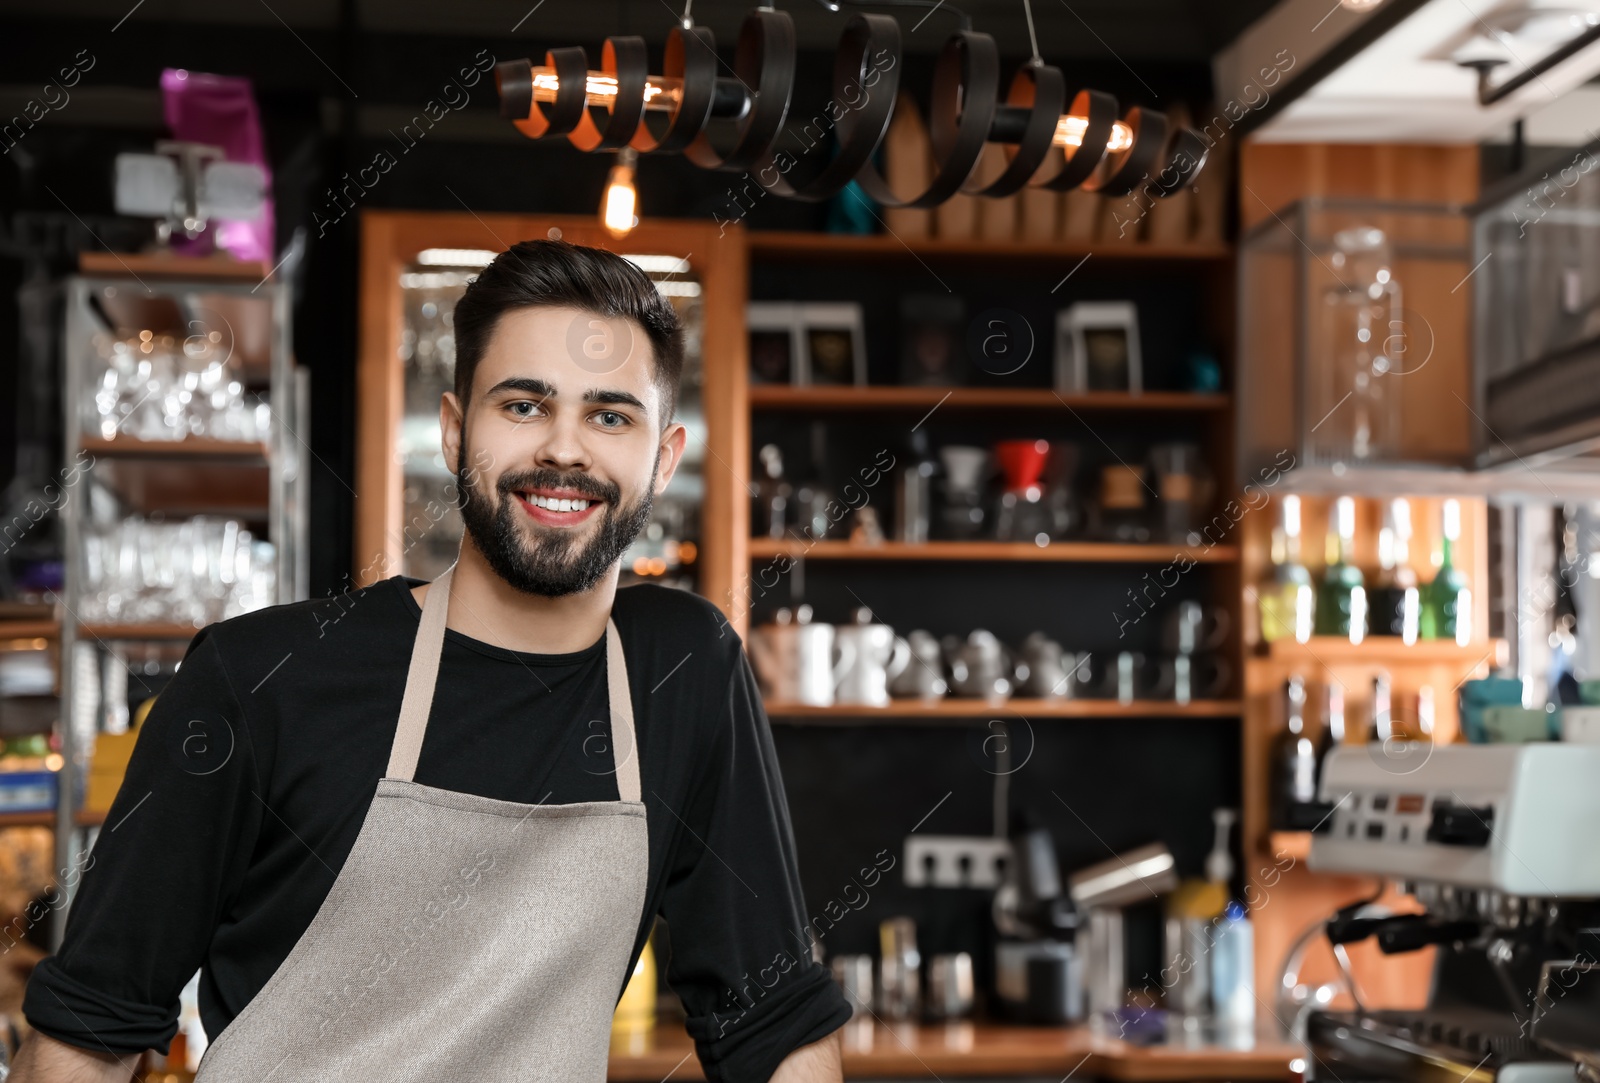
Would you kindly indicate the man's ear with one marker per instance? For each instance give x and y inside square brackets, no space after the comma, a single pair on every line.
[672,444]
[450,414]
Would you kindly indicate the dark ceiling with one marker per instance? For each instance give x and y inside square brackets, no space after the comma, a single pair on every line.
[1131,30]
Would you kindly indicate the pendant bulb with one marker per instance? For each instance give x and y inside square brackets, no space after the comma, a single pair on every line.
[620,203]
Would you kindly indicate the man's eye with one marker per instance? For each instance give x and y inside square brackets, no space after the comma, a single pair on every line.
[611,419]
[523,408]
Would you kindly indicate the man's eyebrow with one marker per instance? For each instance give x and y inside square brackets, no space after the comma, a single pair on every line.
[614,398]
[531,385]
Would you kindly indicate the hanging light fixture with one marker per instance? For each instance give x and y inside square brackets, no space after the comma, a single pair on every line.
[622,106]
[619,206]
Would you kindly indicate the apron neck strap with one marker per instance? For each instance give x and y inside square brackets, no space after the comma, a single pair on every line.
[423,675]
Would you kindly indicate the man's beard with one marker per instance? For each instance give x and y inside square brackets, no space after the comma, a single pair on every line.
[549,567]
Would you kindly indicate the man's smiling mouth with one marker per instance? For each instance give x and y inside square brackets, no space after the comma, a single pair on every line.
[557,507]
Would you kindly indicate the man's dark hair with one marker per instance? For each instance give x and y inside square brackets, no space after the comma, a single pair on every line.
[561,274]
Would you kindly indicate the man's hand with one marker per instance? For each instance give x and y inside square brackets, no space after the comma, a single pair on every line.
[818,1062]
[42,1059]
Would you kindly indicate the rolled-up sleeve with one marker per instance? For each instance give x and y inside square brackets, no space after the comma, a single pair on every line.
[741,956]
[149,892]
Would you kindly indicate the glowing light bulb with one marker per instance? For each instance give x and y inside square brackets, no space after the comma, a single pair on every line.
[600,88]
[621,199]
[1070,129]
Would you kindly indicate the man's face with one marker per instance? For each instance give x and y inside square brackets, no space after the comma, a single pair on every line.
[561,451]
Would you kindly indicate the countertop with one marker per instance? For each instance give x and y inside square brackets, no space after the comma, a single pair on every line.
[876,1050]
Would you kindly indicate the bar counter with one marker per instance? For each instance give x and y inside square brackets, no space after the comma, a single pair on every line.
[966,1050]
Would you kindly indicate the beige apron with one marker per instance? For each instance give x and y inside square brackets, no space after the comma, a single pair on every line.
[465,937]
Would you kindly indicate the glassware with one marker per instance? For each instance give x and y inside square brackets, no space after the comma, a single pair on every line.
[1447,601]
[1183,488]
[1342,599]
[1287,600]
[193,571]
[1022,512]
[1122,510]
[1358,411]
[966,469]
[156,387]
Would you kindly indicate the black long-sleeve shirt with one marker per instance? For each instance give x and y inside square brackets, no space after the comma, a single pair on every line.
[252,774]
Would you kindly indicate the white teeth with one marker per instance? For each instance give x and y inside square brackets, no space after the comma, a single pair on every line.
[551,504]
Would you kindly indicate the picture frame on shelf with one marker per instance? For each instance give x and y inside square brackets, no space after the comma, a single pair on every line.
[775,342]
[833,344]
[1097,347]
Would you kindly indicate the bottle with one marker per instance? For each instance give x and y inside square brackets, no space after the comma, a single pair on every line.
[1342,599]
[1233,996]
[914,492]
[1380,720]
[1447,601]
[769,517]
[1332,735]
[1424,714]
[1393,602]
[1287,600]
[1294,761]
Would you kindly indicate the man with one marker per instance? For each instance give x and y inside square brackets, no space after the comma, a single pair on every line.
[461,894]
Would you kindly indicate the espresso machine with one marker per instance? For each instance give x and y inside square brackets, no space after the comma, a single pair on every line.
[1500,844]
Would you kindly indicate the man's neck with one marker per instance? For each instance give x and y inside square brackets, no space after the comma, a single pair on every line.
[490,610]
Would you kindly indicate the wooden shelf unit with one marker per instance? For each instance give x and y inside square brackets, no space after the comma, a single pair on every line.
[1297,895]
[195,447]
[959,708]
[1382,651]
[11,630]
[84,818]
[196,268]
[1087,552]
[114,633]
[785,244]
[871,397]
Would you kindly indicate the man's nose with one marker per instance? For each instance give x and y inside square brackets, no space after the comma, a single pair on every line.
[562,446]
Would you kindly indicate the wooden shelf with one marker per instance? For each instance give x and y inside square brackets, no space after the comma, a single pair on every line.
[1383,650]
[785,244]
[142,265]
[1065,552]
[84,818]
[129,632]
[29,629]
[982,1049]
[152,476]
[786,397]
[1014,708]
[1513,481]
[191,447]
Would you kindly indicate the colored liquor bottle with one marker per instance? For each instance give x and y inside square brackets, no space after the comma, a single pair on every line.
[1447,601]
[1286,599]
[1342,597]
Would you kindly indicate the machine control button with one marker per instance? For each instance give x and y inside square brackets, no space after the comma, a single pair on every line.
[1461,825]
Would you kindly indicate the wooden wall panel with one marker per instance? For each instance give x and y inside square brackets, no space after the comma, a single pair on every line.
[1272,175]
